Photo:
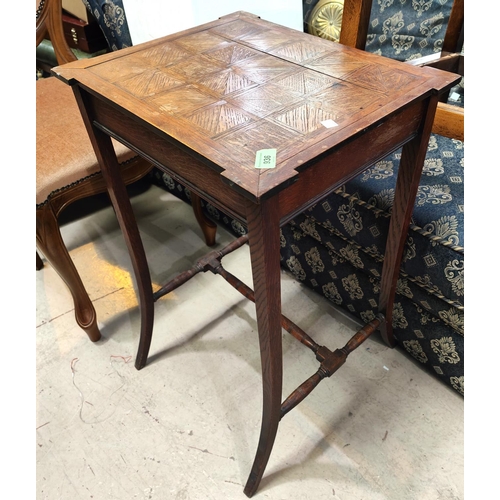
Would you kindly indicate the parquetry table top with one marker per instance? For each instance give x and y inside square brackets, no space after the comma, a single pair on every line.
[230,88]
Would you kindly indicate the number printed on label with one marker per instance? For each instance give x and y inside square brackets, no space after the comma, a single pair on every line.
[265,158]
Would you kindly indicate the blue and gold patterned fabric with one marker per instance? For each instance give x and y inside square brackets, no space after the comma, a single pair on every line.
[346,232]
[407,29]
[336,247]
[110,15]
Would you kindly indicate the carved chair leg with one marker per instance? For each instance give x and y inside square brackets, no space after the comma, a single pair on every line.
[207,226]
[49,241]
[39,262]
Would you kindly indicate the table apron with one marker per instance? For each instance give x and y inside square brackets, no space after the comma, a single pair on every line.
[330,170]
[336,167]
[190,171]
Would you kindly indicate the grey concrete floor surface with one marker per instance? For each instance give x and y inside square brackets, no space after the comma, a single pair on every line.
[187,425]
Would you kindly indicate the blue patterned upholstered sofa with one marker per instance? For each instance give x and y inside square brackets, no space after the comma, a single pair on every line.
[336,248]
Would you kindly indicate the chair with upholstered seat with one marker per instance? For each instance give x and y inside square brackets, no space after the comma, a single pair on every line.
[66,166]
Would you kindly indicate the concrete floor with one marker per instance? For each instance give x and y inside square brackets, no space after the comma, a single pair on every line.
[187,425]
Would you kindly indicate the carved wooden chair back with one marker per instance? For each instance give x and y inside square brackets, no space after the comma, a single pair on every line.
[49,25]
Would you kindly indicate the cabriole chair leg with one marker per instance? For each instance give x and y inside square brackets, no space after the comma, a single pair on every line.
[49,241]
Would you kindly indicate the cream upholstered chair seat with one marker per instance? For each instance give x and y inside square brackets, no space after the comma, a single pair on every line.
[58,143]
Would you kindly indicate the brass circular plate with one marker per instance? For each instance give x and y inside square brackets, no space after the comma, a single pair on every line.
[325,20]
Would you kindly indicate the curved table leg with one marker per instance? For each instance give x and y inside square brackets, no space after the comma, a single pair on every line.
[104,150]
[410,170]
[128,224]
[208,227]
[51,244]
[39,262]
[263,227]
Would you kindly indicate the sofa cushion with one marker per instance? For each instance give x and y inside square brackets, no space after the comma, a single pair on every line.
[336,248]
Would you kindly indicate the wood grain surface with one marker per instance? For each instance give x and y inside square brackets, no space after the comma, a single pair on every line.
[229,88]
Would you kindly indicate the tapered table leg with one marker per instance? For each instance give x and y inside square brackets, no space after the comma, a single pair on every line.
[208,227]
[110,167]
[263,231]
[410,170]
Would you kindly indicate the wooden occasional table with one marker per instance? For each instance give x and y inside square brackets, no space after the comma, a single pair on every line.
[210,106]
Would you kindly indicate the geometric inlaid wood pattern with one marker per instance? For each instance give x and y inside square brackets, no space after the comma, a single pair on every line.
[158,57]
[337,65]
[196,66]
[237,29]
[262,41]
[218,118]
[264,68]
[339,106]
[381,79]
[347,101]
[150,82]
[260,135]
[245,84]
[163,55]
[232,53]
[306,82]
[201,42]
[299,51]
[226,82]
[265,99]
[181,100]
[307,117]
